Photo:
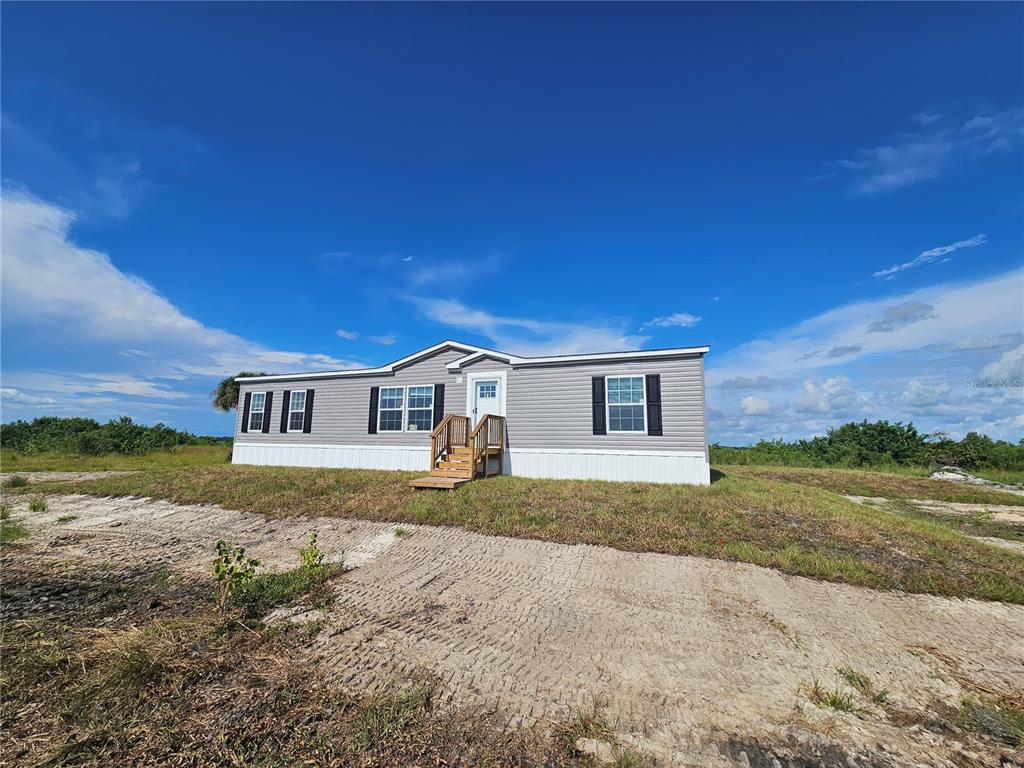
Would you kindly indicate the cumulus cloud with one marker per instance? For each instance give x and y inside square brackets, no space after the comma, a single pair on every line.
[1009,366]
[529,336]
[833,395]
[752,405]
[925,257]
[675,320]
[901,315]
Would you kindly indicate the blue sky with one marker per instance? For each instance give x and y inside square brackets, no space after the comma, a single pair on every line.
[831,196]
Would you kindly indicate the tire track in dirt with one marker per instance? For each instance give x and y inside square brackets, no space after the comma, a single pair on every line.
[683,652]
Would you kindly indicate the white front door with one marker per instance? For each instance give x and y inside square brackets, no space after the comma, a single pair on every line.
[487,398]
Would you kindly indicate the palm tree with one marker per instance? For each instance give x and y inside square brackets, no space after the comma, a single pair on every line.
[225,396]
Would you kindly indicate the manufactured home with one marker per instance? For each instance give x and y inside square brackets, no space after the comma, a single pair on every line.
[457,411]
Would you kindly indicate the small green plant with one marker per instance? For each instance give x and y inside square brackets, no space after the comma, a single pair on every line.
[389,715]
[38,504]
[10,530]
[5,510]
[863,684]
[233,570]
[15,481]
[400,532]
[312,556]
[66,519]
[834,699]
[1005,723]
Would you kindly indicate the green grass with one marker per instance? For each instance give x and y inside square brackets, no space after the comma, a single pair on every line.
[11,531]
[270,590]
[797,528]
[834,699]
[852,482]
[973,524]
[181,456]
[864,686]
[66,519]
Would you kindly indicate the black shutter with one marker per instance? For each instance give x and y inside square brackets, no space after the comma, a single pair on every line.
[653,404]
[307,421]
[438,403]
[286,405]
[374,399]
[597,399]
[266,411]
[245,412]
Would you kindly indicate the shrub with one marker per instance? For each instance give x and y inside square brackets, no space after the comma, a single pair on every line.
[233,571]
[312,556]
[52,434]
[15,481]
[38,504]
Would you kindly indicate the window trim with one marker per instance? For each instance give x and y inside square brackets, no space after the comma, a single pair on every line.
[381,409]
[302,410]
[262,411]
[608,404]
[405,402]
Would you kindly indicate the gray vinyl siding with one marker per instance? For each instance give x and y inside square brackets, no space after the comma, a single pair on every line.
[341,406]
[550,406]
[546,407]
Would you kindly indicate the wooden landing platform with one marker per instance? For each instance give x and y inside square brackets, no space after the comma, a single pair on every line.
[439,483]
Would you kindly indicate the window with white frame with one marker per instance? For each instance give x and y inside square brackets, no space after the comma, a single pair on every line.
[421,408]
[391,409]
[256,405]
[626,404]
[297,410]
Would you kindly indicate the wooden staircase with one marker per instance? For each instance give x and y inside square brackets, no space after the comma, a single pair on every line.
[459,455]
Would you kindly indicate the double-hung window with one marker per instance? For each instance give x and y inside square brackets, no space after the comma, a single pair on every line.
[626,404]
[421,408]
[256,406]
[297,410]
[392,409]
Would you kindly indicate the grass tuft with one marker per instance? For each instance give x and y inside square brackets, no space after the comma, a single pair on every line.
[15,481]
[834,699]
[66,519]
[864,686]
[38,504]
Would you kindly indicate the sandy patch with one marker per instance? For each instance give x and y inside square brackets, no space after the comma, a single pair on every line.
[697,661]
[57,477]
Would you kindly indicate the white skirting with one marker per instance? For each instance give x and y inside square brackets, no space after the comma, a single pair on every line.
[689,467]
[404,457]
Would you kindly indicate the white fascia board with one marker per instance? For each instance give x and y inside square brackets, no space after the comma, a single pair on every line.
[382,370]
[640,354]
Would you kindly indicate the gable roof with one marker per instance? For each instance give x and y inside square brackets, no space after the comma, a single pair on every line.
[474,353]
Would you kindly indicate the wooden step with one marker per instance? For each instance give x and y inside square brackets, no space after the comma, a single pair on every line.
[438,483]
[441,472]
[461,465]
[460,450]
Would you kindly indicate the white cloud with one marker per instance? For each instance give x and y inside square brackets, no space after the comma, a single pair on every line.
[920,356]
[752,405]
[387,339]
[10,395]
[1010,365]
[75,299]
[343,334]
[675,320]
[926,156]
[833,395]
[925,118]
[526,336]
[925,257]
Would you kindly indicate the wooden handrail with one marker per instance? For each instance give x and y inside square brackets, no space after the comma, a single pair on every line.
[492,429]
[452,430]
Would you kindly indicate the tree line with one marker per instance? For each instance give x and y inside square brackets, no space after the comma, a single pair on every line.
[75,435]
[879,443]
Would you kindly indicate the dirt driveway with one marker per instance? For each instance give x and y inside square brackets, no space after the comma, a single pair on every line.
[697,662]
